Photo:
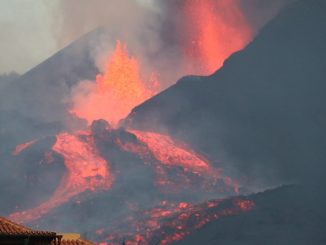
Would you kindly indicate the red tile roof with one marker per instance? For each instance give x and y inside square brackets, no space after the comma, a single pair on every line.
[9,228]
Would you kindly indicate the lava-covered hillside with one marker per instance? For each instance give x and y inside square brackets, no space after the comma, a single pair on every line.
[182,166]
[141,178]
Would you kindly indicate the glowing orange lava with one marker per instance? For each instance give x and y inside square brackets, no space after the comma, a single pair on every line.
[212,31]
[176,154]
[86,170]
[171,222]
[116,91]
[168,152]
[22,147]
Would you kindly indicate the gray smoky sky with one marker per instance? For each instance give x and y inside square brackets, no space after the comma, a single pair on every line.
[26,36]
[33,30]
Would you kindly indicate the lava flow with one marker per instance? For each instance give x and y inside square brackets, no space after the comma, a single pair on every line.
[171,154]
[86,170]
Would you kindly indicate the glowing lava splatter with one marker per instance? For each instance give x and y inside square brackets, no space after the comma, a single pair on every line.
[86,170]
[212,31]
[116,91]
[21,147]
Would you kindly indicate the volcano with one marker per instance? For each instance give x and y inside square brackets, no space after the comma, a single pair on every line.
[181,165]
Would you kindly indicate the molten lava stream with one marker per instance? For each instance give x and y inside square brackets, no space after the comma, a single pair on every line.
[173,154]
[168,152]
[86,170]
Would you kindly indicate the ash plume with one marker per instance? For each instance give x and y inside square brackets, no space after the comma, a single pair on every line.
[151,29]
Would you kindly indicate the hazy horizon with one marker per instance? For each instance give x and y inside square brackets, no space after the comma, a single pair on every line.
[32,31]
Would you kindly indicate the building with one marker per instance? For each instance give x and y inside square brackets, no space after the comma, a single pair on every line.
[14,234]
[72,239]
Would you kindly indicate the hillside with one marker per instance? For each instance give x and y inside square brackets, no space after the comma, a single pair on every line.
[263,113]
[35,103]
[287,215]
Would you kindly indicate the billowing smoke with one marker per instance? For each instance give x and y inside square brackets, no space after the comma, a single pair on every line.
[128,18]
[139,24]
[166,39]
[156,34]
[202,35]
[173,38]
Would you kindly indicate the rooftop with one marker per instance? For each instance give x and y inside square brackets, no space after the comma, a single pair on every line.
[9,228]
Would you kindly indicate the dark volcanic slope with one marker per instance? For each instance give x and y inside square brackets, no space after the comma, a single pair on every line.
[35,103]
[282,216]
[264,111]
